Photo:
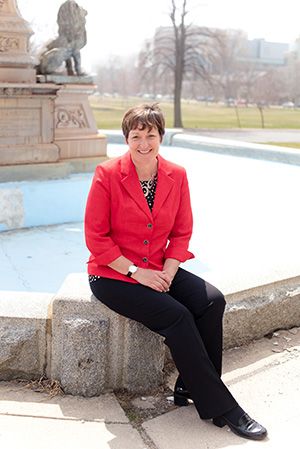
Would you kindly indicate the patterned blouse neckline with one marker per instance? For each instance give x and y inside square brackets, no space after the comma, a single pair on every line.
[149,189]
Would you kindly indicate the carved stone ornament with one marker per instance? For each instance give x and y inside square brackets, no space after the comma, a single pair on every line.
[15,91]
[71,118]
[8,43]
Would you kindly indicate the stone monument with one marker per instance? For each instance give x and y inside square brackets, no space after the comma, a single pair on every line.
[16,65]
[75,129]
[45,118]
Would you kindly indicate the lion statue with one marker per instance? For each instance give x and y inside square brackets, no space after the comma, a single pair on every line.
[66,47]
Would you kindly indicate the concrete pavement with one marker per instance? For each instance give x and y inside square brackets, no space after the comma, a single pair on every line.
[264,377]
[30,420]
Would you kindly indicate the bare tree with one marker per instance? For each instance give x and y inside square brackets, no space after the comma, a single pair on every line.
[268,88]
[180,50]
[117,75]
[291,78]
[229,49]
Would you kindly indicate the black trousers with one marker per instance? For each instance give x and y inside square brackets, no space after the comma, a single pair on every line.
[190,317]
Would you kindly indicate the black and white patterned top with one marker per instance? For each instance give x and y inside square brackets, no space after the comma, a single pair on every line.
[149,189]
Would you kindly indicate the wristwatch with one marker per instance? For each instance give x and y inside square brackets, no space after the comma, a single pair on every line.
[131,270]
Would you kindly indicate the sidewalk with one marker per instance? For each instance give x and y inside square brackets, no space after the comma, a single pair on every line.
[264,376]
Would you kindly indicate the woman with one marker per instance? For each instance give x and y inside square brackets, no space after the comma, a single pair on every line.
[138,224]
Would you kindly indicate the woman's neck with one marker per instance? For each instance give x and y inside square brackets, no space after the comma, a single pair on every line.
[146,172]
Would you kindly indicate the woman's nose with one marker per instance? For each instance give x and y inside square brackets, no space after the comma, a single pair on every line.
[143,143]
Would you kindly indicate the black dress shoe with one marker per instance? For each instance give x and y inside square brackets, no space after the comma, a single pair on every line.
[246,427]
[181,397]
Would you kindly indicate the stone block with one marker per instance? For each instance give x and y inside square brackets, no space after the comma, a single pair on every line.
[19,350]
[23,334]
[82,345]
[26,123]
[253,313]
[28,154]
[85,147]
[17,75]
[125,353]
[143,362]
[12,208]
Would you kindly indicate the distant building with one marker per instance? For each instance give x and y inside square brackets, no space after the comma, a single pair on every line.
[266,54]
[296,49]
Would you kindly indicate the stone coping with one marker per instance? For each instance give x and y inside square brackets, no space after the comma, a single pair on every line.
[65,79]
[50,170]
[24,304]
[237,148]
[73,338]
[34,86]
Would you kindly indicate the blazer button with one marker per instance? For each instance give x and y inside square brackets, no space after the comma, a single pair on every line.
[145,259]
[146,242]
[149,225]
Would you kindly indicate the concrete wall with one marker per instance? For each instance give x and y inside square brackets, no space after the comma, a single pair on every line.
[37,203]
[73,338]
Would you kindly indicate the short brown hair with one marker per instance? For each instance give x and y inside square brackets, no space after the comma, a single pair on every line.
[144,116]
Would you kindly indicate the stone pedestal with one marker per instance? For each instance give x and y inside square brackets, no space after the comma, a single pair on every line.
[16,64]
[46,121]
[42,123]
[26,124]
[75,129]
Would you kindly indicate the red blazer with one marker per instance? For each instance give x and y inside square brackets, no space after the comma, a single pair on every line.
[118,220]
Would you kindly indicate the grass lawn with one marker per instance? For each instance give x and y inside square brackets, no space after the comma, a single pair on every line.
[109,111]
[295,145]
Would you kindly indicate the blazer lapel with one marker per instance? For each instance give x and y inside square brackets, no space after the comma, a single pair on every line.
[131,183]
[164,185]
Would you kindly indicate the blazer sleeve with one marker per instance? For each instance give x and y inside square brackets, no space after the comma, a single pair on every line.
[183,226]
[97,220]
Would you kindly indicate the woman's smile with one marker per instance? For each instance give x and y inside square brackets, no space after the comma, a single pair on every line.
[144,151]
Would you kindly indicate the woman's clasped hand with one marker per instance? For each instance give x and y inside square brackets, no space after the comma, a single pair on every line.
[157,280]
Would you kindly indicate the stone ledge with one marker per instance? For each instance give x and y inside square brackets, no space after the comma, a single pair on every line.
[237,148]
[65,79]
[28,154]
[253,313]
[73,338]
[46,171]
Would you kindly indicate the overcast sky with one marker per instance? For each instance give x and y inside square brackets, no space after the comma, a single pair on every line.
[120,26]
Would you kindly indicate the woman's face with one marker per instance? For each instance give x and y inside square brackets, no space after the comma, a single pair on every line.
[143,144]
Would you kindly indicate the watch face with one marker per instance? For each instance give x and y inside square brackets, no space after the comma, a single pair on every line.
[132,268]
